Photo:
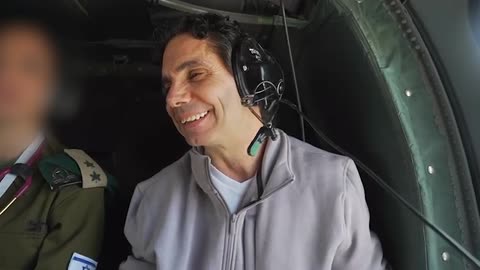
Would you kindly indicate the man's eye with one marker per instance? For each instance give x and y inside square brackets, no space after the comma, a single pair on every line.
[197,75]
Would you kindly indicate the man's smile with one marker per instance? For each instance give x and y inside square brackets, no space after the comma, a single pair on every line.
[193,118]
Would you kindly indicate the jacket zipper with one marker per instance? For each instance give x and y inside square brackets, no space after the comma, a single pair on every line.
[232,220]
[229,230]
[233,241]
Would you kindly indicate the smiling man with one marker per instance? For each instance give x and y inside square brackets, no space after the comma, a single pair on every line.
[246,196]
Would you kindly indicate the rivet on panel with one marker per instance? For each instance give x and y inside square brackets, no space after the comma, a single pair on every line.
[393,3]
[245,68]
[408,93]
[398,11]
[431,170]
[409,30]
[445,256]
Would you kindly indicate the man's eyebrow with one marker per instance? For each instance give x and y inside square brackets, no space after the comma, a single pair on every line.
[183,66]
[188,64]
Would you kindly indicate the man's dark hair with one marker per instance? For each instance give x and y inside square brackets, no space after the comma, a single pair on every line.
[221,32]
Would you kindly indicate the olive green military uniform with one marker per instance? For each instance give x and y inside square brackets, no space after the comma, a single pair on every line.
[45,227]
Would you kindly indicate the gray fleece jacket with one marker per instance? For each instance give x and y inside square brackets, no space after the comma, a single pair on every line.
[312,215]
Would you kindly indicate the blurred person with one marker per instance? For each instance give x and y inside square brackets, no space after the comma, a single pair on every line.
[246,196]
[51,198]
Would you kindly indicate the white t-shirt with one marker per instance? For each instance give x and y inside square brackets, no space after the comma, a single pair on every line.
[231,190]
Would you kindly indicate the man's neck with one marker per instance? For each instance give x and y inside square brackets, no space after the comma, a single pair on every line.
[14,142]
[233,160]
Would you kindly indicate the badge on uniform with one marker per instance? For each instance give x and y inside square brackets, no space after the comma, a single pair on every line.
[73,167]
[92,174]
[80,262]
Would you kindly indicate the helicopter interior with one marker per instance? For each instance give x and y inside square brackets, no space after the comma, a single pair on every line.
[365,78]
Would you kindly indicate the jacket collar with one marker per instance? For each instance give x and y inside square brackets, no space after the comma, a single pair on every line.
[276,169]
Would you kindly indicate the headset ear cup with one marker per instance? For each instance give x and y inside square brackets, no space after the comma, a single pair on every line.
[258,76]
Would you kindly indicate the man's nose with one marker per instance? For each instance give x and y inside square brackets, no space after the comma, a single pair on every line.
[178,96]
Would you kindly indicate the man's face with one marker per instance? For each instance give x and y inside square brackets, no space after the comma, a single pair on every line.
[202,97]
[27,64]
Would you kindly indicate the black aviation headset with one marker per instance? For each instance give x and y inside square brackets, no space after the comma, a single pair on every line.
[260,82]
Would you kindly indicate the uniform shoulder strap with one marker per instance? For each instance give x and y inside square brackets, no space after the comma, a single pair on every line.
[92,174]
[72,167]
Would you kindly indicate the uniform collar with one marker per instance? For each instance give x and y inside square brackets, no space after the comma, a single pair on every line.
[276,169]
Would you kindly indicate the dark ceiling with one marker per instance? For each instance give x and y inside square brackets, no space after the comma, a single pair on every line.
[130,19]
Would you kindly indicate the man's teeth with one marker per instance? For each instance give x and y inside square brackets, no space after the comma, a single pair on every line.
[194,117]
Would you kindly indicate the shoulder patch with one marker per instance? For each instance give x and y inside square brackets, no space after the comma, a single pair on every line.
[74,167]
[80,262]
[92,173]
